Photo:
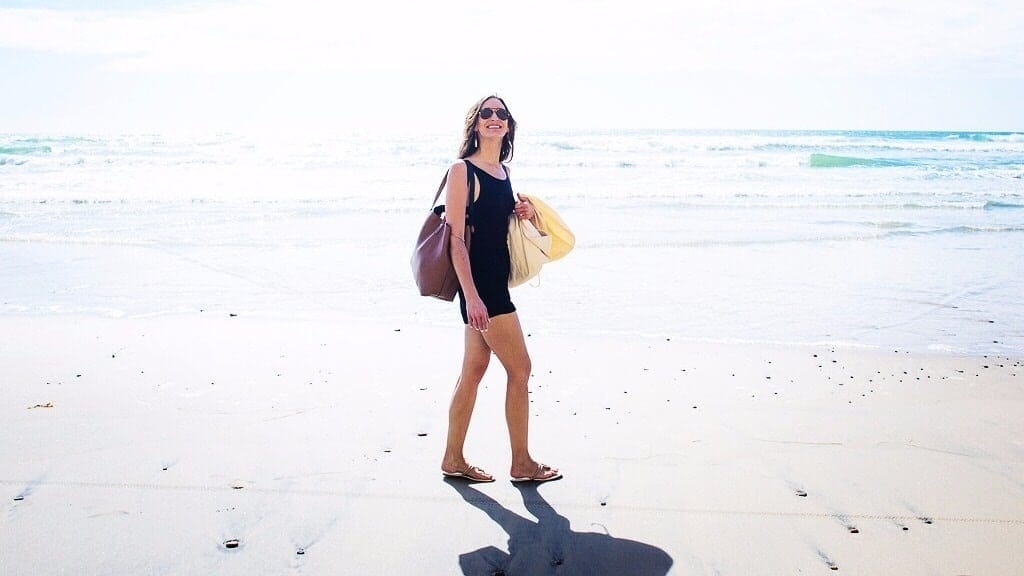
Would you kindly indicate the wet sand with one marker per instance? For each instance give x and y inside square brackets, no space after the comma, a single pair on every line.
[232,445]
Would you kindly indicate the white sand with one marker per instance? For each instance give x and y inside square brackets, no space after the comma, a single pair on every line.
[169,436]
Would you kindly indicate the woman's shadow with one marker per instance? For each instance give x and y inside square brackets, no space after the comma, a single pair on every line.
[549,546]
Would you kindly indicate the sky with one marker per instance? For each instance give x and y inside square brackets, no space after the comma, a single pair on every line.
[297,65]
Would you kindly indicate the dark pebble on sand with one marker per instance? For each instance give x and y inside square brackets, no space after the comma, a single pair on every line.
[604,503]
[300,551]
[421,434]
[78,375]
[165,468]
[853,529]
[231,543]
[232,314]
[398,329]
[19,498]
[801,493]
[905,529]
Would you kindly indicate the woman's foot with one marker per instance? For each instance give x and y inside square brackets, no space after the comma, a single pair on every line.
[467,472]
[540,473]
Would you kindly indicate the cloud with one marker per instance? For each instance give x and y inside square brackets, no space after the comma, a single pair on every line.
[791,37]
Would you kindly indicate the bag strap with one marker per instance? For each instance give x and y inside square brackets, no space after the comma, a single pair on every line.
[470,182]
[439,189]
[471,192]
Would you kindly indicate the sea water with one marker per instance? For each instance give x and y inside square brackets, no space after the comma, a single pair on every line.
[904,240]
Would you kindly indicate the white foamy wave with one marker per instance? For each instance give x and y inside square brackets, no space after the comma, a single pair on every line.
[734,234]
[997,137]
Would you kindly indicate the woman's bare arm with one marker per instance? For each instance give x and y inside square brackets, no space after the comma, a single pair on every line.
[455,212]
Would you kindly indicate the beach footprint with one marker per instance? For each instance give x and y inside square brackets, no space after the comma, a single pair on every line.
[23,496]
[305,537]
[917,513]
[845,522]
[242,512]
[826,560]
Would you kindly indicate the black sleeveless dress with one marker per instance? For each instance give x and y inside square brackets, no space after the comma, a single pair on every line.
[488,249]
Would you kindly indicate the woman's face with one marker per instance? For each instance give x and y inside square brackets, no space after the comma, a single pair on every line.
[493,127]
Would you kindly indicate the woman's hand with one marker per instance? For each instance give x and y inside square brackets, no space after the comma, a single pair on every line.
[524,210]
[476,313]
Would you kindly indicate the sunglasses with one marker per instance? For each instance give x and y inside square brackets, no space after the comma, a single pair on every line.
[486,113]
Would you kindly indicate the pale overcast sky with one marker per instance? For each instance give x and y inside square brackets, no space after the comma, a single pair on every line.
[125,65]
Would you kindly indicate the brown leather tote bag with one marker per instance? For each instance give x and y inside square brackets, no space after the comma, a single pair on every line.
[431,262]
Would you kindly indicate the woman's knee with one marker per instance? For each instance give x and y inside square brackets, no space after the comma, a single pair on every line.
[474,366]
[519,370]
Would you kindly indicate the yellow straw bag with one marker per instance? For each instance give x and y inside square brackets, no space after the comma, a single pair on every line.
[533,243]
[528,250]
[551,224]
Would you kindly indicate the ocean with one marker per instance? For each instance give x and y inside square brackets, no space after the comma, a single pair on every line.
[904,240]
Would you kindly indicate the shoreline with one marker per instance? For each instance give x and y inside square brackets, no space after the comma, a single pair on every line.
[428,318]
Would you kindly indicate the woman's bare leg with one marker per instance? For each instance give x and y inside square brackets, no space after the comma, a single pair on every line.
[505,337]
[475,359]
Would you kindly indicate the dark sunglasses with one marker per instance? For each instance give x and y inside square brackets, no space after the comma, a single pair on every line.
[486,113]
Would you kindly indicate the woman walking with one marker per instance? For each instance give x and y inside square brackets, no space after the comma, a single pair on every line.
[492,324]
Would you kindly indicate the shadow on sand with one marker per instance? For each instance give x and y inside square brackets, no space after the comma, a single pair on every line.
[549,546]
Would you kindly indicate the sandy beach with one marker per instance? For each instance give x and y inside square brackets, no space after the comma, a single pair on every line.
[788,339]
[151,445]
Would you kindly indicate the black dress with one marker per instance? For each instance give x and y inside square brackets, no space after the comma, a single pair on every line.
[488,248]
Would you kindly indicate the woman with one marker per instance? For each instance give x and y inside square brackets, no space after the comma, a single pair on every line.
[492,324]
